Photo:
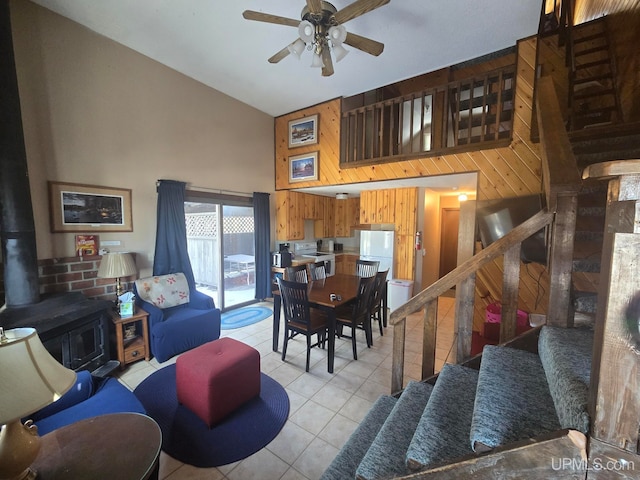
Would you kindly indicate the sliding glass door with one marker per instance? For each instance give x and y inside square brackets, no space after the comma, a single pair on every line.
[220,239]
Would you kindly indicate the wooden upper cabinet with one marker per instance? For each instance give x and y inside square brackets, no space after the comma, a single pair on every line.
[289,215]
[368,209]
[377,206]
[406,210]
[353,213]
[347,215]
[325,227]
[313,206]
[385,205]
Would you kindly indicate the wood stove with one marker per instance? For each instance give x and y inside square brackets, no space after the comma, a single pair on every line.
[73,328]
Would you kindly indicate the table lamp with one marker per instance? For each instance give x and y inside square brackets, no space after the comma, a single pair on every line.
[117,265]
[31,379]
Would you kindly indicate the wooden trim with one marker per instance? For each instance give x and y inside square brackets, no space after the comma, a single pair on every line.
[614,168]
[517,235]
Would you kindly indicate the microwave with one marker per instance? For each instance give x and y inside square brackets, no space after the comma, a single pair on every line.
[281,259]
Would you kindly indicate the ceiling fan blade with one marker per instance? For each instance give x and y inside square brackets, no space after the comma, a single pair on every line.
[365,44]
[327,70]
[268,18]
[280,55]
[357,8]
[314,6]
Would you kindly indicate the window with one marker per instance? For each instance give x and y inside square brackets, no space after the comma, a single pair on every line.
[220,241]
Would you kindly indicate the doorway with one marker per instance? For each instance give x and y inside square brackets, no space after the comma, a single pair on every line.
[220,242]
[449,222]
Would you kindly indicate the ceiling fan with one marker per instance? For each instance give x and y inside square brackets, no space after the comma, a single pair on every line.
[321,31]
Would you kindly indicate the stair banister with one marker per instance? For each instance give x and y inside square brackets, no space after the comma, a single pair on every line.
[614,403]
[561,184]
[428,297]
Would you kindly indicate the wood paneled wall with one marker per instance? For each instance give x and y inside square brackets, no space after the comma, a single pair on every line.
[504,172]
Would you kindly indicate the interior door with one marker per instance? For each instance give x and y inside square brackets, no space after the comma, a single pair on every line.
[450,218]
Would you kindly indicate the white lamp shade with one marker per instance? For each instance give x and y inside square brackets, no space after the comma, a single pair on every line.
[30,377]
[297,47]
[117,265]
[337,34]
[339,52]
[306,31]
[317,61]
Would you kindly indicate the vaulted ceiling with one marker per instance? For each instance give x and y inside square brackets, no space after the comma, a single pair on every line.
[210,41]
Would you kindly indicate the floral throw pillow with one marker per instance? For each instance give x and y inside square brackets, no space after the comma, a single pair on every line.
[164,291]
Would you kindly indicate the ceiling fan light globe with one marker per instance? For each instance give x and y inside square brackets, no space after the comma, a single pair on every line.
[337,34]
[297,47]
[339,52]
[306,31]
[316,62]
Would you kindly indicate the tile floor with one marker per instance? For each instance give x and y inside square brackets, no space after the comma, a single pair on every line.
[325,408]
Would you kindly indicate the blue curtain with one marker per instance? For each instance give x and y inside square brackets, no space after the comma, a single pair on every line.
[171,255]
[262,235]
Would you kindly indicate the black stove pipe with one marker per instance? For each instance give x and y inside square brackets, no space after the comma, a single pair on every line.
[17,229]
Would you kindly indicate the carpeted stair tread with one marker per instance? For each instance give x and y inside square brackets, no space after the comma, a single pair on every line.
[513,401]
[585,302]
[386,456]
[443,431]
[566,355]
[344,465]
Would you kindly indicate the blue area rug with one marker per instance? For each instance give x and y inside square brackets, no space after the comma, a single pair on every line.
[244,316]
[188,439]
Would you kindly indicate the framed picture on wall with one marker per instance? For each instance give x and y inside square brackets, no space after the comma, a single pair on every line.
[303,131]
[76,207]
[303,168]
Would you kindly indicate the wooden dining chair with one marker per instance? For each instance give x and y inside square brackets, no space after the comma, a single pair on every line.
[367,268]
[357,315]
[379,290]
[318,270]
[299,318]
[297,274]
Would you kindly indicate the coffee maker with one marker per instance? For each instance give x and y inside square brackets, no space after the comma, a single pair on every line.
[283,257]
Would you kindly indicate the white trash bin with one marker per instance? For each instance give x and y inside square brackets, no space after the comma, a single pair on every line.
[398,292]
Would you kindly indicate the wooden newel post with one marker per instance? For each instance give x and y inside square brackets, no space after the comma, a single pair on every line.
[614,403]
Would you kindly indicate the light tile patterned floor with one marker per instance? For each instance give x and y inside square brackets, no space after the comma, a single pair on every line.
[325,408]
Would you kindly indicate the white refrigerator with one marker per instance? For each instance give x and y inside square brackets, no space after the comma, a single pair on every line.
[378,245]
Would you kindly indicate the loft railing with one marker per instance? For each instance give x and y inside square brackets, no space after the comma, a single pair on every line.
[472,113]
[561,183]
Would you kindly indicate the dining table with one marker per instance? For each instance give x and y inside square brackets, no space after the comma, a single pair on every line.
[345,289]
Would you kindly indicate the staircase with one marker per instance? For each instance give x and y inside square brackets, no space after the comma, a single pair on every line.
[587,252]
[484,415]
[593,98]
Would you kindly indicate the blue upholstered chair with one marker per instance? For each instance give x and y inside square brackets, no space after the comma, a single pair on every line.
[90,396]
[179,318]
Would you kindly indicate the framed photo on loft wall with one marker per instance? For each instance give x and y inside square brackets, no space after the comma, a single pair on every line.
[303,131]
[76,207]
[304,167]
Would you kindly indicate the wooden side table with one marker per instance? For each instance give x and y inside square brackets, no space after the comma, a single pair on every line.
[123,446]
[132,337]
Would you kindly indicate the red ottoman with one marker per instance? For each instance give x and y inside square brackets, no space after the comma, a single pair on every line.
[218,377]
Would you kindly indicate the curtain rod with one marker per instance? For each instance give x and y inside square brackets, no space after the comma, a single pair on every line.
[217,190]
[214,190]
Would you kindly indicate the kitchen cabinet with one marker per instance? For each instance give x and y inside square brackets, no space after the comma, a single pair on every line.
[289,215]
[325,227]
[406,224]
[377,206]
[347,215]
[313,207]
